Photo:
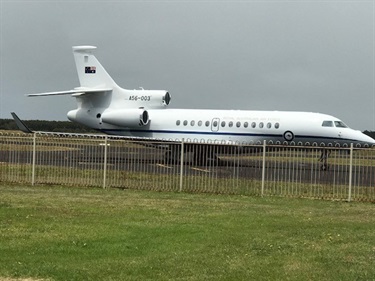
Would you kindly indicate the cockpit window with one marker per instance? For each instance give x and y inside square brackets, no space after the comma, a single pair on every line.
[340,124]
[327,124]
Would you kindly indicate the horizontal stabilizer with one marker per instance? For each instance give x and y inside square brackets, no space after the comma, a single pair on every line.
[20,124]
[70,92]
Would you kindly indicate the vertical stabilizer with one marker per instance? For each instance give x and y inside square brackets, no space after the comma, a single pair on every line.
[91,73]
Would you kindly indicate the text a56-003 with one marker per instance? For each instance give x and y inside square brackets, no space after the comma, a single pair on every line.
[141,98]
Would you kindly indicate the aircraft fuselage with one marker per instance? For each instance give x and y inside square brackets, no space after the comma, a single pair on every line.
[104,106]
[237,127]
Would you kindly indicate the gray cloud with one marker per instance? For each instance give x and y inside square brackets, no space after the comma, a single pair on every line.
[305,56]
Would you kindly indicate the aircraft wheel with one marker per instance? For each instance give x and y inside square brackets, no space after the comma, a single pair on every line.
[168,158]
[324,167]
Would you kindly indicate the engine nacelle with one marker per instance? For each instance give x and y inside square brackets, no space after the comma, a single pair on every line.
[150,98]
[136,117]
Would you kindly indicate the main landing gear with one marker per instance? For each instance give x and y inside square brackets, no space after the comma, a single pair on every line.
[173,155]
[197,155]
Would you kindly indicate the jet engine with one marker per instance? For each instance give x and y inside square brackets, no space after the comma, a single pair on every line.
[136,117]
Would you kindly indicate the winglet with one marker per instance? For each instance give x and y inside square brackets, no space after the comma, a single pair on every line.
[20,124]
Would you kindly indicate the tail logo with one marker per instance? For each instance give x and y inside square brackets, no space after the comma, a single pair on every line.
[90,69]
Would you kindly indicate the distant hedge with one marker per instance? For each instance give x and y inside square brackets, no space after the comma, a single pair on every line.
[48,126]
[370,133]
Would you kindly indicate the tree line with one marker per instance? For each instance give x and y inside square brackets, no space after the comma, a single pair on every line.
[370,133]
[48,126]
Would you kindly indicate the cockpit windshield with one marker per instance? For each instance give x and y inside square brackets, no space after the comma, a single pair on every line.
[327,124]
[340,124]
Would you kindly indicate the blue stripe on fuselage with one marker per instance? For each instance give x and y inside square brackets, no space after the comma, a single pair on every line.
[233,134]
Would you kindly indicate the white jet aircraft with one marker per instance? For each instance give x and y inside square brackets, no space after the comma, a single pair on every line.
[106,107]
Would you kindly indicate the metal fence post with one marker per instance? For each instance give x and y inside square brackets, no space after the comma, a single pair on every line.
[263,167]
[350,173]
[182,164]
[105,161]
[33,164]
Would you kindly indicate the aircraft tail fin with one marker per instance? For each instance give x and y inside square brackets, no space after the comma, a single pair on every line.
[91,73]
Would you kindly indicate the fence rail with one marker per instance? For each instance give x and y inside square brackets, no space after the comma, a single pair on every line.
[264,170]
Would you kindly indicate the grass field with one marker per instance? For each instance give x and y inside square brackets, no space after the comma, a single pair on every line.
[61,233]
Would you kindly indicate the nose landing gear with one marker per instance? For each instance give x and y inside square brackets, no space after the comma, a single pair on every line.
[324,159]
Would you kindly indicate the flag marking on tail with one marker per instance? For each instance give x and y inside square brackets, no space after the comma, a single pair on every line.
[90,69]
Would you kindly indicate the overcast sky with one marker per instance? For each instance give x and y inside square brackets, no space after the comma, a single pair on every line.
[254,55]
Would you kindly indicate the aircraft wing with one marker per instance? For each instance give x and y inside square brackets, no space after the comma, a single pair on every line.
[22,126]
[75,92]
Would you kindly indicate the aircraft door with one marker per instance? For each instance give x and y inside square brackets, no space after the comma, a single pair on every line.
[215,124]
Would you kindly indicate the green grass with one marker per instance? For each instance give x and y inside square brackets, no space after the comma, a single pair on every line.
[62,233]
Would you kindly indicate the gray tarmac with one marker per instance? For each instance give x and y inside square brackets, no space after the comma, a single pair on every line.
[153,160]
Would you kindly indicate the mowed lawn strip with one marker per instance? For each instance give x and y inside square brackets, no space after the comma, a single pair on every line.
[65,233]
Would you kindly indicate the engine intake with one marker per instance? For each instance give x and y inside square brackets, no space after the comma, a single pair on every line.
[137,117]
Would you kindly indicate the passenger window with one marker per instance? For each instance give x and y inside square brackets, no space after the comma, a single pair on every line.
[178,122]
[200,123]
[223,124]
[230,124]
[207,123]
[185,122]
[277,125]
[253,125]
[269,125]
[246,124]
[214,124]
[261,125]
[192,123]
[238,124]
